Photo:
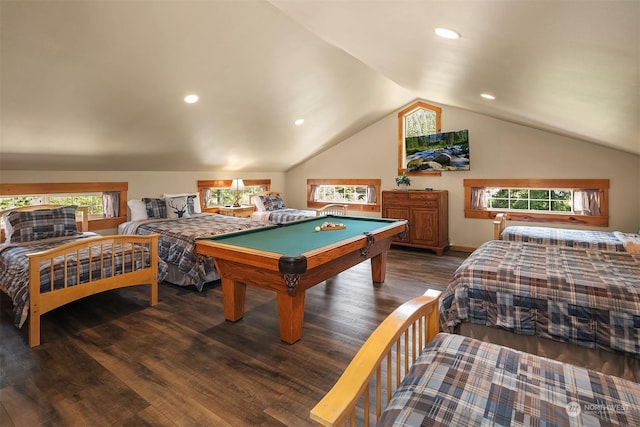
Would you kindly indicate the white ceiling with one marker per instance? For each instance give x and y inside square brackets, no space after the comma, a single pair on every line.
[98,85]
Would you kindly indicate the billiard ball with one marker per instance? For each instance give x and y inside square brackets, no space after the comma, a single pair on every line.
[317,228]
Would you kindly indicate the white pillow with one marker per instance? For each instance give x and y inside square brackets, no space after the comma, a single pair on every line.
[177,207]
[195,197]
[138,210]
[257,200]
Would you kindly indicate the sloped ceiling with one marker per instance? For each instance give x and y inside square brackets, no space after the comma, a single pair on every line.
[98,85]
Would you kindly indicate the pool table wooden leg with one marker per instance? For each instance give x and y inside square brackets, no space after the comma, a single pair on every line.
[290,316]
[233,295]
[379,267]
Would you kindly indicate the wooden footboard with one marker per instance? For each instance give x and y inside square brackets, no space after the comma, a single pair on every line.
[332,209]
[139,266]
[386,355]
[499,224]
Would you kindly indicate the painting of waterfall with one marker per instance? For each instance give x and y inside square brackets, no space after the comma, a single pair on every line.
[447,151]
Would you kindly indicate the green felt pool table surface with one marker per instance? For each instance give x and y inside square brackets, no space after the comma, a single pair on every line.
[298,237]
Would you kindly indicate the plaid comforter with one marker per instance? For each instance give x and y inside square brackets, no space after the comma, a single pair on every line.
[582,296]
[459,381]
[14,269]
[177,241]
[604,240]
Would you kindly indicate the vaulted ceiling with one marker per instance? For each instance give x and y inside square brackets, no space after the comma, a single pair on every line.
[99,85]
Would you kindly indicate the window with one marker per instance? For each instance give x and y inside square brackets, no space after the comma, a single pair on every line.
[414,123]
[106,201]
[529,199]
[358,194]
[579,201]
[214,193]
[93,202]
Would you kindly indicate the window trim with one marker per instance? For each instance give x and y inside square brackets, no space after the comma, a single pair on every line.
[401,130]
[602,185]
[225,183]
[20,189]
[377,183]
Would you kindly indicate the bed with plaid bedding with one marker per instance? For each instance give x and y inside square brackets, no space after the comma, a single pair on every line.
[282,215]
[581,296]
[603,240]
[177,241]
[80,268]
[460,381]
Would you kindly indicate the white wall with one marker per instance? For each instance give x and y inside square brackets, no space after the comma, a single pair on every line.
[498,149]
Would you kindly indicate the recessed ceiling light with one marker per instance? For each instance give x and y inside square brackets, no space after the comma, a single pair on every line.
[487,96]
[191,99]
[447,33]
[299,122]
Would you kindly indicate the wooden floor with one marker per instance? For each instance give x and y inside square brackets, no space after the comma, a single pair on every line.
[111,360]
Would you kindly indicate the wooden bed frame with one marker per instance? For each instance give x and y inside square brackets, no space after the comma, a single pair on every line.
[387,354]
[330,209]
[41,303]
[499,224]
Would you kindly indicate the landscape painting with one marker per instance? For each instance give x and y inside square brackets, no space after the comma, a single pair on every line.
[447,151]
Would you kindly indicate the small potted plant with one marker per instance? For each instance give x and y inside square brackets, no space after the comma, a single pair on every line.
[403,181]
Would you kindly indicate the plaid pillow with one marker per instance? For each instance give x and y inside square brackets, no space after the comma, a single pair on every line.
[272,202]
[156,208]
[191,204]
[27,226]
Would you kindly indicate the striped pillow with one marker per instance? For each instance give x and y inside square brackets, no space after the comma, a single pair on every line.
[27,226]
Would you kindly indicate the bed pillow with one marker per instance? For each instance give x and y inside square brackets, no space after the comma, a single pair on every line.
[138,210]
[193,201]
[177,207]
[27,226]
[156,208]
[270,202]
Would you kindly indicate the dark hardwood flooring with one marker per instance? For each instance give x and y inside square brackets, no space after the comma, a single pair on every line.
[111,360]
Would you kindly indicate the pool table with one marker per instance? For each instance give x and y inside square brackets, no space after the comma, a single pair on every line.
[290,258]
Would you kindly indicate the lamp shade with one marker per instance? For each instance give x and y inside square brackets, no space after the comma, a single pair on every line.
[237,184]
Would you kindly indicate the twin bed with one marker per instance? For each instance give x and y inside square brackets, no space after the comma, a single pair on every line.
[408,374]
[46,262]
[590,239]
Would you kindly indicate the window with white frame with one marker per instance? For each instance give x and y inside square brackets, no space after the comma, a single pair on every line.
[529,199]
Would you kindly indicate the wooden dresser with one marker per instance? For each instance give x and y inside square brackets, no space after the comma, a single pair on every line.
[427,213]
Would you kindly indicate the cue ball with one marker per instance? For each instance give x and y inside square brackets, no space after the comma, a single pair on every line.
[317,228]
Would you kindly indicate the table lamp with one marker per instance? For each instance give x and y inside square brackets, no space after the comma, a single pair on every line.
[237,185]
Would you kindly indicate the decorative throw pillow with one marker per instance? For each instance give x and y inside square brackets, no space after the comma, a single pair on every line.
[27,226]
[193,201]
[156,208]
[138,210]
[177,207]
[272,202]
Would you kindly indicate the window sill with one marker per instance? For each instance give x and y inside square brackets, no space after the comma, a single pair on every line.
[592,221]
